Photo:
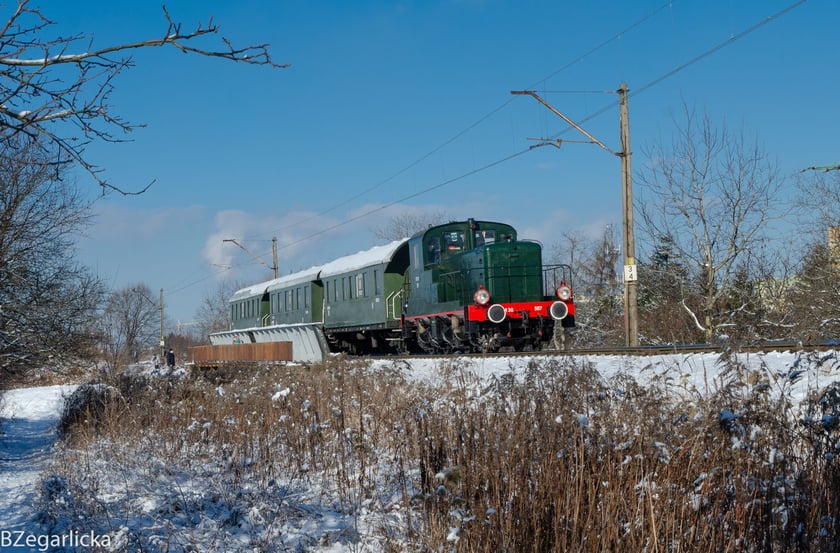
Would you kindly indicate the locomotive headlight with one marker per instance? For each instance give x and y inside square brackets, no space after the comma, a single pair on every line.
[481,296]
[564,292]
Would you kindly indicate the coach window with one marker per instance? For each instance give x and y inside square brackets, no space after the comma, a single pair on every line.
[297,298]
[306,295]
[360,285]
[377,289]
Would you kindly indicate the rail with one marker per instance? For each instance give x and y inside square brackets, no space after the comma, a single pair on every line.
[660,349]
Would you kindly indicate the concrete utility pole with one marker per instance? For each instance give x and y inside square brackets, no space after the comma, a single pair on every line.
[274,267]
[631,320]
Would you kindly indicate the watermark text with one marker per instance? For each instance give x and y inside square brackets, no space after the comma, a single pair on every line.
[46,542]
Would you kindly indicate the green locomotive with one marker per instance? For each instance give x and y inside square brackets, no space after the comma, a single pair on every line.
[475,286]
[462,286]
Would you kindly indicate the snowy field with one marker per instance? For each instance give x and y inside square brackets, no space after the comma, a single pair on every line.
[29,419]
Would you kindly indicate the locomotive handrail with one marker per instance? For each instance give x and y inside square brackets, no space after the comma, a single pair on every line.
[391,304]
[550,274]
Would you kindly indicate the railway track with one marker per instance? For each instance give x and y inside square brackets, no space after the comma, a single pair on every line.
[649,350]
[664,349]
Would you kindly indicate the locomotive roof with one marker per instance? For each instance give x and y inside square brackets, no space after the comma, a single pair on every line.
[374,256]
[459,223]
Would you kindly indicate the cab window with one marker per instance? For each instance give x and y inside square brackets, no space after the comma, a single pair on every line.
[454,241]
[433,250]
[483,237]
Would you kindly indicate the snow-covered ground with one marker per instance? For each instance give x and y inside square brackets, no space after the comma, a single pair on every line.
[794,374]
[29,416]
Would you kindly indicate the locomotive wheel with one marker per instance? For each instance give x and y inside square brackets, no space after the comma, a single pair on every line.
[487,344]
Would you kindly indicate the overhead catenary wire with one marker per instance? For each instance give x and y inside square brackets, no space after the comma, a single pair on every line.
[591,116]
[610,106]
[472,126]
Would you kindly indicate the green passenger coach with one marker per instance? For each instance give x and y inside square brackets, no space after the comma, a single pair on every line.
[363,297]
[296,298]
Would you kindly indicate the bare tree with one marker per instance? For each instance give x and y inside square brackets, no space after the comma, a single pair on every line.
[570,251]
[662,288]
[407,224]
[596,286]
[604,308]
[818,201]
[214,312]
[46,299]
[56,90]
[712,192]
[814,301]
[130,324]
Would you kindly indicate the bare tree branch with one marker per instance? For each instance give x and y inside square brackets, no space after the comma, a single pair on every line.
[51,86]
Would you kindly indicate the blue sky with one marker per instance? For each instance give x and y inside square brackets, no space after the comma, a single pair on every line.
[392,107]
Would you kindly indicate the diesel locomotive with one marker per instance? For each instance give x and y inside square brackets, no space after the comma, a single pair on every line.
[456,287]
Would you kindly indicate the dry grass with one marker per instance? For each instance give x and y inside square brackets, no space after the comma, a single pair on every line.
[556,459]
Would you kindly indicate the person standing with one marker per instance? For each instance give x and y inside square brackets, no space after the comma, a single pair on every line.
[170,358]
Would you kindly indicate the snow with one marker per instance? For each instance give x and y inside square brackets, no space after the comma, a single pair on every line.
[29,418]
[700,373]
[28,432]
[374,256]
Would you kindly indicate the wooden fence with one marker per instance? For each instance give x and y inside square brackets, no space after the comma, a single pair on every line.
[240,353]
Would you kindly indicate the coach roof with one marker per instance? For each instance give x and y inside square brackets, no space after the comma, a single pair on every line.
[375,256]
